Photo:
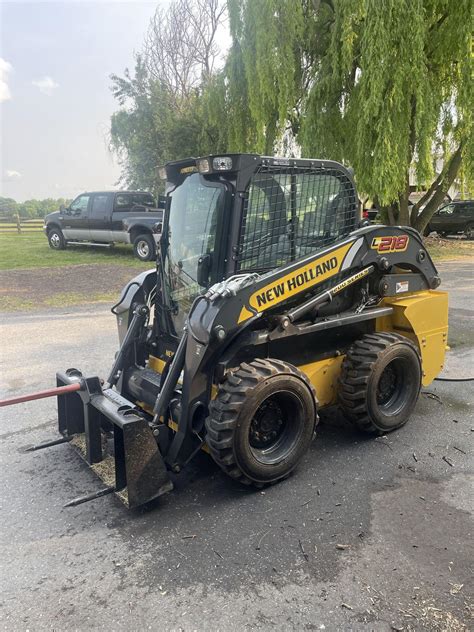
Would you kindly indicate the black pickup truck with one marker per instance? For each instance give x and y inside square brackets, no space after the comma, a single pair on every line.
[102,218]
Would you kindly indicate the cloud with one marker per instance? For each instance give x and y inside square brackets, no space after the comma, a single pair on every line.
[12,174]
[5,69]
[46,85]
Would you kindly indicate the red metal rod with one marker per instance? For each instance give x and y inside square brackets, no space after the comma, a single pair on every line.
[50,392]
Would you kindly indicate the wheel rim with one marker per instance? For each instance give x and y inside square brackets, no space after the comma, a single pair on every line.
[391,387]
[55,240]
[469,232]
[143,249]
[276,426]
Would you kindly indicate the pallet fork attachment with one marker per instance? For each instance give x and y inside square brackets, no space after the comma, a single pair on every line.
[91,419]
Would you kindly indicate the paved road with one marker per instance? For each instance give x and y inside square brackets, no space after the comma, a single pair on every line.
[256,559]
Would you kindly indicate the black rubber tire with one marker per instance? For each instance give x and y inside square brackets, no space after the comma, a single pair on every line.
[361,378]
[241,395]
[56,239]
[144,247]
[469,231]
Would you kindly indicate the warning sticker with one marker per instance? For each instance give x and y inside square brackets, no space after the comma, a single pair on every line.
[401,286]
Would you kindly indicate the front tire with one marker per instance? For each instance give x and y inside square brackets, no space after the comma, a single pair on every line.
[56,239]
[262,421]
[469,231]
[380,382]
[144,247]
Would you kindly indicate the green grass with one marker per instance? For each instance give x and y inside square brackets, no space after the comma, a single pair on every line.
[33,251]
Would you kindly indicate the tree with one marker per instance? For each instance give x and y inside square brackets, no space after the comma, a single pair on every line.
[383,86]
[31,208]
[166,109]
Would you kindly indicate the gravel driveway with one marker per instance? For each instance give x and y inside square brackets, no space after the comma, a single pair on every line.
[367,534]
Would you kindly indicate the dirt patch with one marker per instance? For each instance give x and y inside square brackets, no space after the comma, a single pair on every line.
[57,287]
[454,248]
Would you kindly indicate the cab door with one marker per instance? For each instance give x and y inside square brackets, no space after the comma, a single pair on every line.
[76,219]
[443,220]
[100,217]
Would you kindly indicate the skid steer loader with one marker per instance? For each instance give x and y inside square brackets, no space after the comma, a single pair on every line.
[269,302]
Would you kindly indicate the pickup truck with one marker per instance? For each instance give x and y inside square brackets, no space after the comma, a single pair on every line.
[102,218]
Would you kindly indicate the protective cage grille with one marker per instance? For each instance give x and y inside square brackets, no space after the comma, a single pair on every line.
[291,212]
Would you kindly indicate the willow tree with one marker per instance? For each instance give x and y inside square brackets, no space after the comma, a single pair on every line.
[382,85]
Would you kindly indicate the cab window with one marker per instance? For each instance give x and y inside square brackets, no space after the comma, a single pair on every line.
[123,202]
[99,205]
[288,215]
[143,199]
[80,205]
[446,210]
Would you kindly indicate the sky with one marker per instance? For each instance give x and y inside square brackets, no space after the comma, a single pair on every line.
[56,59]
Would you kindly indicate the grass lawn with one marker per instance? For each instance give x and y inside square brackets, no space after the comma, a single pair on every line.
[32,251]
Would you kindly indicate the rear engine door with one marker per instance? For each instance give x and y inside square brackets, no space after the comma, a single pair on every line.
[76,219]
[100,215]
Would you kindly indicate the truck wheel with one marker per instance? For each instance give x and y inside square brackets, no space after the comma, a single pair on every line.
[380,382]
[262,421]
[469,231]
[144,247]
[56,239]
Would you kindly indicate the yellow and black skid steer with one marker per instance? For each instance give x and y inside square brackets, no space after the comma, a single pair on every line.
[270,301]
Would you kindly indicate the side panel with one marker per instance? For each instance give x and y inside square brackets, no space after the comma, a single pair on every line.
[324,376]
[422,317]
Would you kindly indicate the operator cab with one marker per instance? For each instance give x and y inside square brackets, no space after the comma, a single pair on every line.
[241,213]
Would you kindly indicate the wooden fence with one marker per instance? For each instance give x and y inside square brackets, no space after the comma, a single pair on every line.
[15,225]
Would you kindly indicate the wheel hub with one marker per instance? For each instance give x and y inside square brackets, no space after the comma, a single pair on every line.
[267,425]
[387,385]
[142,249]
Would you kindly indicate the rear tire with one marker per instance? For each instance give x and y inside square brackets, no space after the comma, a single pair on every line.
[262,421]
[144,247]
[56,239]
[469,231]
[380,382]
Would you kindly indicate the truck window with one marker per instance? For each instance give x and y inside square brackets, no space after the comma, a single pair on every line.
[123,202]
[99,205]
[143,199]
[80,205]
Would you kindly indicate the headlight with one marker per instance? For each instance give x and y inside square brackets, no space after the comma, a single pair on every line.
[203,165]
[222,163]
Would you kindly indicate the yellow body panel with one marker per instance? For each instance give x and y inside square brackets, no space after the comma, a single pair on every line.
[324,375]
[156,364]
[422,317]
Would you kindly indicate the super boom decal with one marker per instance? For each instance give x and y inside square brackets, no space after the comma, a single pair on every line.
[297,281]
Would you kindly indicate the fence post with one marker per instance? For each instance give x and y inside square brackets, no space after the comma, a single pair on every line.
[18,224]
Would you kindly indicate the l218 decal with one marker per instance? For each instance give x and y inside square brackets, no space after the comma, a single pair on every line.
[396,243]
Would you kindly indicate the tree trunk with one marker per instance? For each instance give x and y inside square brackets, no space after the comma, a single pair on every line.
[438,191]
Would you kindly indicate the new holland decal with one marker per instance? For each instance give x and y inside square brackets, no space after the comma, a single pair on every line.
[297,281]
[396,243]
